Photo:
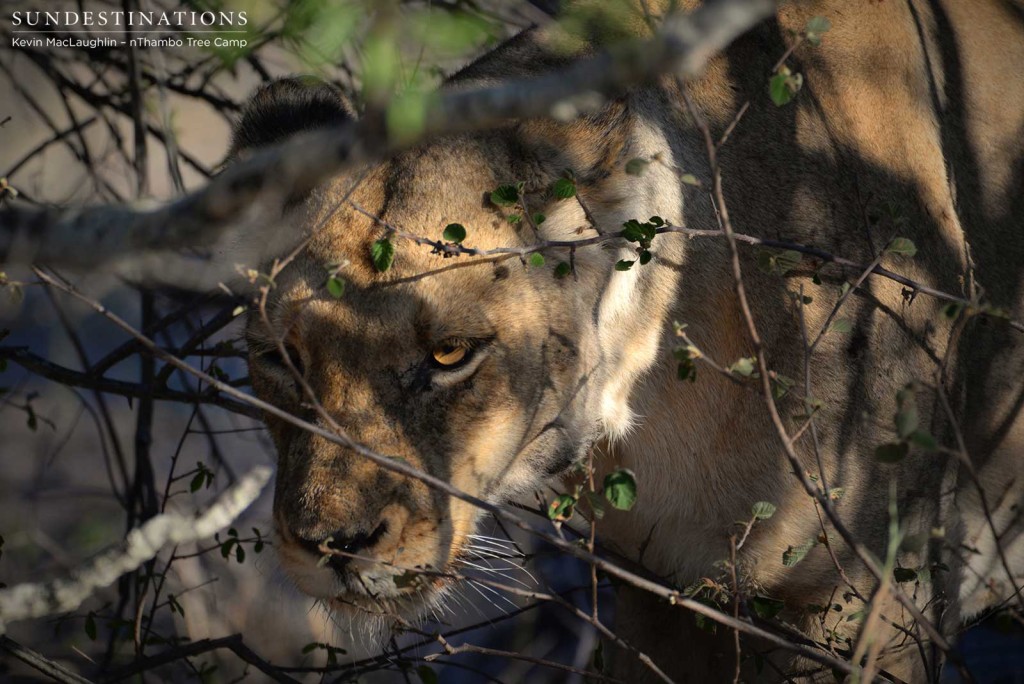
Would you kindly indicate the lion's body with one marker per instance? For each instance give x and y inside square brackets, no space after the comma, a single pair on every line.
[910,123]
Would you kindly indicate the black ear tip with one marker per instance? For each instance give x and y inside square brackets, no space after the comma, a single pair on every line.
[287,106]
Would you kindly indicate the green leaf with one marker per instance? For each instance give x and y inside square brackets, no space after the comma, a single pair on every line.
[515,219]
[624,265]
[562,507]
[778,263]
[840,325]
[778,88]
[795,554]
[781,385]
[197,482]
[637,166]
[902,246]
[564,188]
[687,368]
[744,366]
[310,647]
[907,419]
[539,218]
[892,453]
[505,195]
[952,310]
[690,179]
[240,554]
[633,232]
[562,269]
[815,28]
[766,608]
[90,626]
[904,574]
[620,489]
[537,259]
[645,257]
[335,286]
[426,674]
[383,254]
[763,510]
[704,622]
[924,440]
[454,232]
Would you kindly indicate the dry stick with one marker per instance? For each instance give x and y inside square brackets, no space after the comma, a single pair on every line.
[593,529]
[483,650]
[457,249]
[762,363]
[233,643]
[809,348]
[401,467]
[41,663]
[683,46]
[73,378]
[132,346]
[736,601]
[963,456]
[114,457]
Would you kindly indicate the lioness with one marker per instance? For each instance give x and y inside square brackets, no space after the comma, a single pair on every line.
[496,375]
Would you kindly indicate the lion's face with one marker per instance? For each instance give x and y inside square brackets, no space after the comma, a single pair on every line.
[470,370]
[482,371]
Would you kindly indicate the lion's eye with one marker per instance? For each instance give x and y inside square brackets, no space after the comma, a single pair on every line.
[449,355]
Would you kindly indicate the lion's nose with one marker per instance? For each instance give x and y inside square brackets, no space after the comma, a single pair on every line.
[340,540]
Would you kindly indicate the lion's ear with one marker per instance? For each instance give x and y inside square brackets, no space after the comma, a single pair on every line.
[285,107]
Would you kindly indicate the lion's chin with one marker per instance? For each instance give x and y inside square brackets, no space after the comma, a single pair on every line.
[386,613]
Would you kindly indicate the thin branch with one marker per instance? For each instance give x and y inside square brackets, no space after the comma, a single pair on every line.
[72,378]
[41,663]
[233,643]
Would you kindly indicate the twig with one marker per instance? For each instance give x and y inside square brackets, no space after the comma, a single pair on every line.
[72,378]
[233,643]
[794,460]
[41,663]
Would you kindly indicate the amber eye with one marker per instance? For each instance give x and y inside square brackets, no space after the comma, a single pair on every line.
[448,355]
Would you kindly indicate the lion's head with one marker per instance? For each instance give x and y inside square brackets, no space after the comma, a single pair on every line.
[484,371]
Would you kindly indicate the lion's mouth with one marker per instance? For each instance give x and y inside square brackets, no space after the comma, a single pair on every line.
[402,601]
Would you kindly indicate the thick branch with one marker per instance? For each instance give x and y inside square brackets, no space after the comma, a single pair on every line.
[89,237]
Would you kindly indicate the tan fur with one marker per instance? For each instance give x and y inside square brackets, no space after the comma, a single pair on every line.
[916,105]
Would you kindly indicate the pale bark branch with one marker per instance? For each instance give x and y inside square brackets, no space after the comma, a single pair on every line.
[90,237]
[30,600]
